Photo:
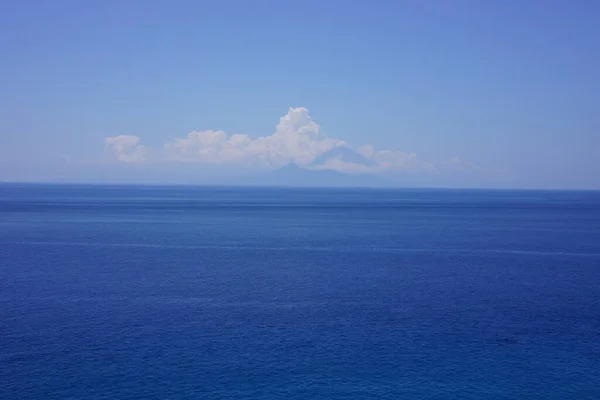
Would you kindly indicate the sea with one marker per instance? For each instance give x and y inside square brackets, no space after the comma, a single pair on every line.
[175,292]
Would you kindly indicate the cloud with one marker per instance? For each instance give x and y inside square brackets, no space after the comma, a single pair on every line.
[127,148]
[366,150]
[383,161]
[389,160]
[339,165]
[297,139]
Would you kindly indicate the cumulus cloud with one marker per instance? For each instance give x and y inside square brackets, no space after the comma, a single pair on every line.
[127,148]
[366,150]
[297,139]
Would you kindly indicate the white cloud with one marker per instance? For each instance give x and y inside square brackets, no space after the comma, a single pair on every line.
[366,150]
[389,160]
[127,148]
[297,139]
[339,165]
[385,161]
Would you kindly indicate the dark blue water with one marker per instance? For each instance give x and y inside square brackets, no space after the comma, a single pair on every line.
[191,293]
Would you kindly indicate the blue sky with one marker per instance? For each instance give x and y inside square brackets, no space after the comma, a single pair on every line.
[446,93]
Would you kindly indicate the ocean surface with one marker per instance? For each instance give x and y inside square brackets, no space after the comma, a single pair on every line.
[117,292]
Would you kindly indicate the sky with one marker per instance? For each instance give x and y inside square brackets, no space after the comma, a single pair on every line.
[433,93]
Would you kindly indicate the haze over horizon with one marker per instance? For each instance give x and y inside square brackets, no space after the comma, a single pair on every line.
[412,94]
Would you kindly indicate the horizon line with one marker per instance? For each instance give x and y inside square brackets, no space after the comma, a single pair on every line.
[279,186]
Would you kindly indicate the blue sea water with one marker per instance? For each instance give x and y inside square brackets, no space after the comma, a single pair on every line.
[116,292]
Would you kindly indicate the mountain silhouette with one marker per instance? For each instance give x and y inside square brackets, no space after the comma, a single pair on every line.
[345,154]
[293,175]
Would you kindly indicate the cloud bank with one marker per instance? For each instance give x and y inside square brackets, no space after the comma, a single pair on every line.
[297,139]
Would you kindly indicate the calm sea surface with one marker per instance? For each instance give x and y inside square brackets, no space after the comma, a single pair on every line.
[206,293]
